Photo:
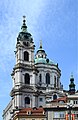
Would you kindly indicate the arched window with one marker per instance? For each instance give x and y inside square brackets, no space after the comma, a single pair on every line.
[47,78]
[55,81]
[54,96]
[26,56]
[27,100]
[40,78]
[27,78]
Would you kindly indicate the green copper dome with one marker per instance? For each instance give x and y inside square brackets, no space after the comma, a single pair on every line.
[44,61]
[24,34]
[41,56]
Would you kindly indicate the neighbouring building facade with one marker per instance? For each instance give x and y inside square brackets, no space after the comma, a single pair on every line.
[30,114]
[36,82]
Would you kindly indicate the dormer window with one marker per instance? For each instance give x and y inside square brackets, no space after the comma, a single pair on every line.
[29,112]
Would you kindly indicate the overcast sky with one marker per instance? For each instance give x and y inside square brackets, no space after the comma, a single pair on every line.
[52,21]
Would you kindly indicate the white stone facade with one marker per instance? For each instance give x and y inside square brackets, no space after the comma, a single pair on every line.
[36,81]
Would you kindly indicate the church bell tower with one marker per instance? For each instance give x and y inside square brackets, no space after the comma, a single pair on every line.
[23,74]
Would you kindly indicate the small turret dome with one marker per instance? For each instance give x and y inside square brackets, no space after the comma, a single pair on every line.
[41,56]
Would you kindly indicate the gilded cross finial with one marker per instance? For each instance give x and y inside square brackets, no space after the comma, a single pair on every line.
[24,27]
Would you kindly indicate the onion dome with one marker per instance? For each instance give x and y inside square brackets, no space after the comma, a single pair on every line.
[24,35]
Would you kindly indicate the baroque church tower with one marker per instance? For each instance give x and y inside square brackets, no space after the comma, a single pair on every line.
[36,78]
[23,92]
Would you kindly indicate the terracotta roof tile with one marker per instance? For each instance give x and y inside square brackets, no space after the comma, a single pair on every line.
[31,111]
[61,99]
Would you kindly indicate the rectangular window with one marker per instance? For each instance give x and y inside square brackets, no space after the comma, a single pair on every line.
[56,115]
[23,118]
[61,114]
[40,99]
[76,102]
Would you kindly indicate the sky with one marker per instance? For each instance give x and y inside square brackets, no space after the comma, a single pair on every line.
[52,21]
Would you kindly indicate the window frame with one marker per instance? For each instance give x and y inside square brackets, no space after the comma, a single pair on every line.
[41,99]
[27,100]
[47,78]
[26,56]
[27,78]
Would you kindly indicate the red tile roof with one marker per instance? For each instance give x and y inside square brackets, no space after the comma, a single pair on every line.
[61,99]
[31,111]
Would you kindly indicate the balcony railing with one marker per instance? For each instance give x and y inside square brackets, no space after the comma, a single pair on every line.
[54,104]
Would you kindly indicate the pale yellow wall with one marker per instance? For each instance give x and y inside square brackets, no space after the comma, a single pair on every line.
[30,118]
